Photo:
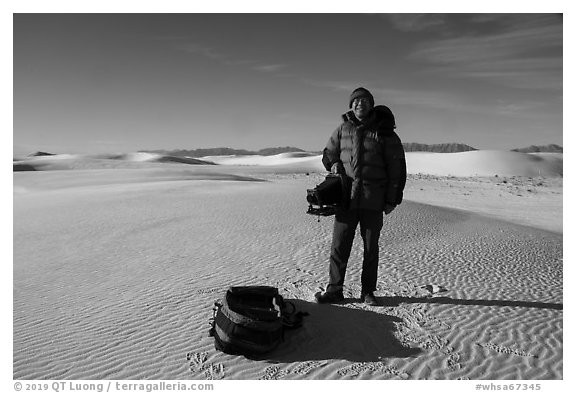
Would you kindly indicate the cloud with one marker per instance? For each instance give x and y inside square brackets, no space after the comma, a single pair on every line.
[225,58]
[523,57]
[412,97]
[205,51]
[429,99]
[436,100]
[332,85]
[415,22]
[270,67]
[239,62]
[185,43]
[491,46]
[519,20]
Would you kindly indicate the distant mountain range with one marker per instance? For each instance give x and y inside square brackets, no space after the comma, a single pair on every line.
[226,151]
[41,154]
[541,149]
[271,151]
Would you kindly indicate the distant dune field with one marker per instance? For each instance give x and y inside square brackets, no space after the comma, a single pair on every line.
[117,261]
[473,163]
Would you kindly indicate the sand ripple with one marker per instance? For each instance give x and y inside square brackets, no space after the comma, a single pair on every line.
[120,285]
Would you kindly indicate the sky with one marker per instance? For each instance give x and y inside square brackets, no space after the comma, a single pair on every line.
[110,83]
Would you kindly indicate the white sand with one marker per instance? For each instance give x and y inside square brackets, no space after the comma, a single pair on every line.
[117,264]
[486,163]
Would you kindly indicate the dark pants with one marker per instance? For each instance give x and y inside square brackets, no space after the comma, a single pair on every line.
[345,224]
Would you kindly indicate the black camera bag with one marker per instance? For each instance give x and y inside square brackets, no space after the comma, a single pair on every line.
[250,320]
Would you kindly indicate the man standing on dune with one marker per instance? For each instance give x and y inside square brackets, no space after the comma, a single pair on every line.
[366,149]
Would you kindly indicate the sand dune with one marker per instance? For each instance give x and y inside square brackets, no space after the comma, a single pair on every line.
[152,157]
[117,264]
[108,161]
[486,163]
[280,159]
[473,163]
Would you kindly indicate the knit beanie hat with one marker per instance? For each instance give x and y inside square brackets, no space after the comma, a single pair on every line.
[361,92]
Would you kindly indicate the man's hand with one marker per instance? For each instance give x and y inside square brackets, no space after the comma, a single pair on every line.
[388,208]
[338,168]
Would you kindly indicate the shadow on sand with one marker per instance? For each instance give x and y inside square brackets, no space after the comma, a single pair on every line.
[397,300]
[338,332]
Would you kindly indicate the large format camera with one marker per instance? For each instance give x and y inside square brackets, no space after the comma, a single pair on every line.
[331,194]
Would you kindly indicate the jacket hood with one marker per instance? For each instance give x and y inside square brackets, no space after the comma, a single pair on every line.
[381,118]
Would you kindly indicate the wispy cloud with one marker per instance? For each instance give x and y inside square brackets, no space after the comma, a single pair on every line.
[435,99]
[428,99]
[415,22]
[516,21]
[223,57]
[332,84]
[203,50]
[413,97]
[493,46]
[528,56]
[270,67]
[239,62]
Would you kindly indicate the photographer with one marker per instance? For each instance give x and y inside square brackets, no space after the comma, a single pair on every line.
[366,149]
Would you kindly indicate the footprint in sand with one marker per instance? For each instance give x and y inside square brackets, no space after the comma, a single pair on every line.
[454,361]
[214,371]
[197,360]
[506,350]
[305,271]
[356,369]
[434,289]
[273,373]
[306,367]
[207,291]
[199,363]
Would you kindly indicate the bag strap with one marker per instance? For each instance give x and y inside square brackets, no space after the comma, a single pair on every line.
[290,318]
[212,321]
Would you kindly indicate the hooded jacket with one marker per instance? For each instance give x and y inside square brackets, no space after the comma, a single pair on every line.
[372,156]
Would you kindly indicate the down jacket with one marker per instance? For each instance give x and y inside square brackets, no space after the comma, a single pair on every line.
[372,155]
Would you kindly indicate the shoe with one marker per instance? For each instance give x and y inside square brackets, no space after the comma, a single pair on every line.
[369,299]
[329,297]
